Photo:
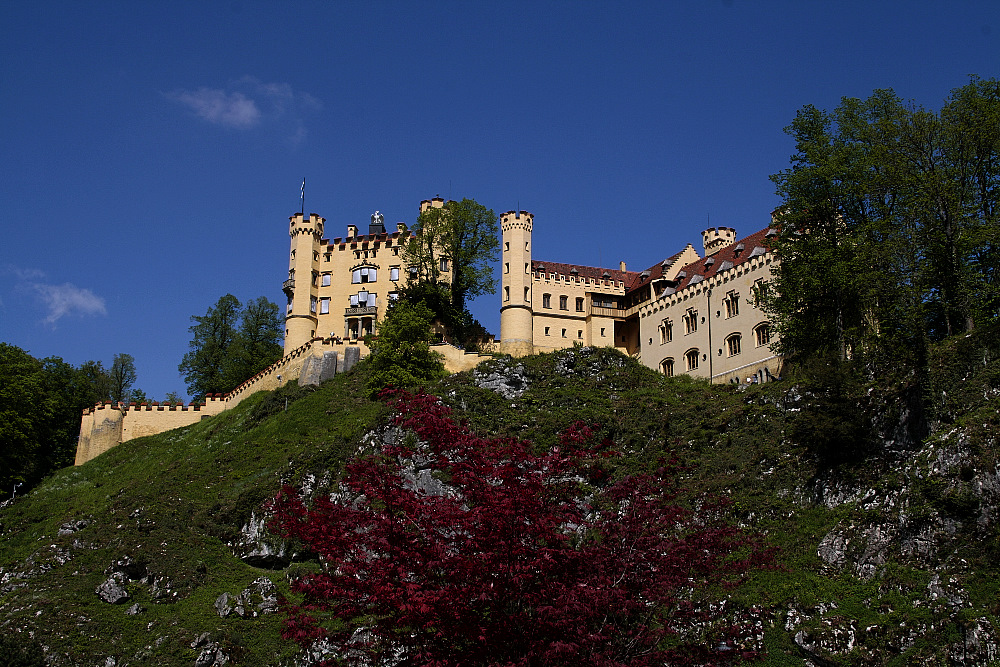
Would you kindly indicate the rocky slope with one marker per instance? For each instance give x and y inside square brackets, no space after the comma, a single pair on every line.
[886,520]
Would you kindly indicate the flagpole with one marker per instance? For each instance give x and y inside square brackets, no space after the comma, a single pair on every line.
[303,197]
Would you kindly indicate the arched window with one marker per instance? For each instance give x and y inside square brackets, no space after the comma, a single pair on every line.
[762,334]
[733,343]
[691,357]
[690,321]
[667,367]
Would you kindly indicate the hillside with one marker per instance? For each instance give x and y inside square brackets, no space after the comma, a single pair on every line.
[152,553]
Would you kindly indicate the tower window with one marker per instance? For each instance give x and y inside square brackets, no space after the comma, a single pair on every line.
[546,301]
[691,357]
[326,280]
[667,367]
[564,303]
[690,321]
[579,304]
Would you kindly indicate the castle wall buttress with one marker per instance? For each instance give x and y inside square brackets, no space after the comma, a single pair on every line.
[516,337]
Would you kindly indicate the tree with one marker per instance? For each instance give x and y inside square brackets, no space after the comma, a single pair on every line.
[230,344]
[451,549]
[888,230]
[123,376]
[456,244]
[401,354]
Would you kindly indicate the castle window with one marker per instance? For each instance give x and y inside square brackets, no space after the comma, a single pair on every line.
[579,333]
[395,251]
[444,264]
[563,333]
[666,331]
[312,304]
[327,257]
[564,303]
[506,246]
[506,267]
[363,275]
[326,280]
[315,255]
[762,333]
[691,357]
[602,332]
[527,269]
[546,331]
[690,321]
[667,367]
[393,296]
[394,274]
[759,292]
[546,301]
[506,294]
[324,306]
[579,304]
[733,344]
[732,302]
[526,293]
[413,273]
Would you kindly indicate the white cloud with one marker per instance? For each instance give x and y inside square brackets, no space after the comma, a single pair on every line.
[68,299]
[220,107]
[59,300]
[249,103]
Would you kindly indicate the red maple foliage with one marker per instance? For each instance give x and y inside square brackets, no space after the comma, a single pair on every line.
[450,549]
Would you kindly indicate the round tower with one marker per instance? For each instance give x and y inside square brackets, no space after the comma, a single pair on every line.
[301,285]
[516,336]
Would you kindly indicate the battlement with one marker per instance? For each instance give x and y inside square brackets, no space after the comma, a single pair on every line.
[516,220]
[717,238]
[436,202]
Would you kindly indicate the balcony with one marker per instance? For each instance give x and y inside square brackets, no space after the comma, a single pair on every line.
[598,311]
[288,286]
[360,310]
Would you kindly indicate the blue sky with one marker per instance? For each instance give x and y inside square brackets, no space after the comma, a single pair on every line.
[153,151]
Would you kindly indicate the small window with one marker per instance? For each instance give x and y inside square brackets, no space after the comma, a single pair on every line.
[506,267]
[444,264]
[546,331]
[690,321]
[579,333]
[579,304]
[602,332]
[732,303]
[506,246]
[563,333]
[326,280]
[393,296]
[506,294]
[527,269]
[394,274]
[667,367]
[312,304]
[526,293]
[546,301]
[691,357]
[762,333]
[324,306]
[733,345]
[564,303]
[759,292]
[413,272]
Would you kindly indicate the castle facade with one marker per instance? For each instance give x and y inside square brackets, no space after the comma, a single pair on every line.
[694,314]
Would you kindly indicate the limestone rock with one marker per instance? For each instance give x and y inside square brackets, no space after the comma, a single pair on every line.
[113,590]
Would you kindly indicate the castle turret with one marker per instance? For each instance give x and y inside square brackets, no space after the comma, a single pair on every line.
[303,278]
[715,239]
[516,336]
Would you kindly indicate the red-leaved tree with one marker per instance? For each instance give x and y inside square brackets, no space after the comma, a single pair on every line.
[448,549]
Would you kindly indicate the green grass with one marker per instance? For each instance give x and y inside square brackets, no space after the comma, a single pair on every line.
[174,502]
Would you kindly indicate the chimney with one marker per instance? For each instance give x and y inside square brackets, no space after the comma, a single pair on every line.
[623,266]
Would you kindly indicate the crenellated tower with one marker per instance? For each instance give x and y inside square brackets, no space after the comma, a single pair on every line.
[715,239]
[301,286]
[516,335]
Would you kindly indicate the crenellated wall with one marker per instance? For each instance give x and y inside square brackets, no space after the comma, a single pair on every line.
[107,425]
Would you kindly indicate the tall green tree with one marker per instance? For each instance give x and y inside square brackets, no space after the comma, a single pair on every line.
[457,244]
[230,344]
[888,230]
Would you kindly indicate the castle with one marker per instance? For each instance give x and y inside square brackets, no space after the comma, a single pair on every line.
[691,313]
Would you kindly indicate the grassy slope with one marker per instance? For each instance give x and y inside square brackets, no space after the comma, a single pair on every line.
[175,500]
